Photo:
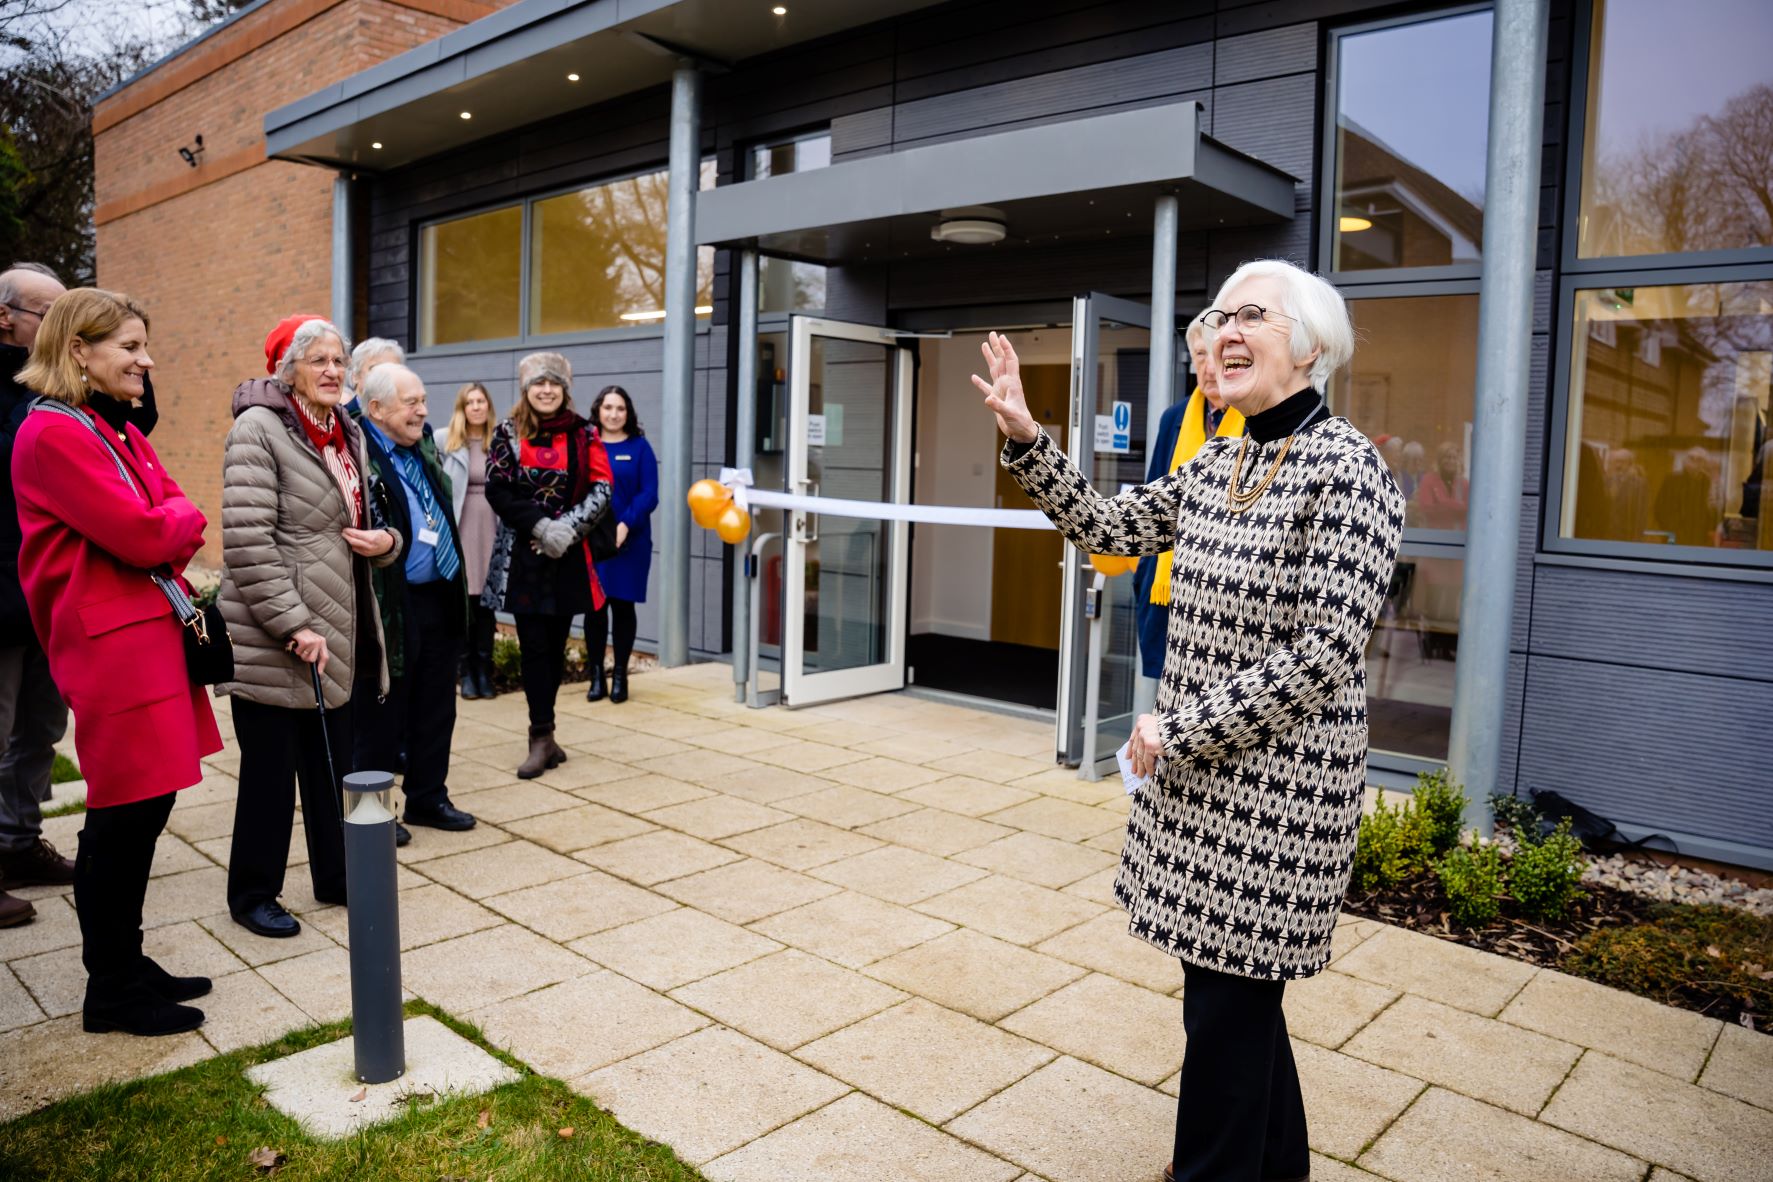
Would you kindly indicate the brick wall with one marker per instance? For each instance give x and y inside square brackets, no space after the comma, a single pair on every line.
[219,253]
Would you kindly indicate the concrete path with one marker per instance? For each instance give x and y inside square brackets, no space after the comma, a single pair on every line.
[877,940]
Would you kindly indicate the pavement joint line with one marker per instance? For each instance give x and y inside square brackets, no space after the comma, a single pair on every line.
[1374,1139]
[1582,1054]
[1709,1052]
[1531,977]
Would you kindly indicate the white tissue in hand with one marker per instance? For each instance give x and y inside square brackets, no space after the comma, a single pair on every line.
[1131,781]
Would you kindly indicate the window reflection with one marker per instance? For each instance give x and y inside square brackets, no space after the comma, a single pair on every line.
[472,286]
[1410,389]
[1412,120]
[1678,153]
[798,155]
[1411,655]
[1669,408]
[784,285]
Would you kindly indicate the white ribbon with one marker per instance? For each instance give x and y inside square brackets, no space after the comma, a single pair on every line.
[747,498]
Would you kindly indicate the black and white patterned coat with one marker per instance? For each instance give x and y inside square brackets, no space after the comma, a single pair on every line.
[1238,854]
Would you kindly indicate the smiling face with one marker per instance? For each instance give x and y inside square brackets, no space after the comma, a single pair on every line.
[545,396]
[116,364]
[1206,374]
[320,374]
[401,417]
[1256,366]
[476,409]
[612,416]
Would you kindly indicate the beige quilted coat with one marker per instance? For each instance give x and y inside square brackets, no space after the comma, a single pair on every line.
[285,562]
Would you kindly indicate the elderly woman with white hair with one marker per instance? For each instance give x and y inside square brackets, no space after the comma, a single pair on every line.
[300,530]
[1240,843]
[369,353]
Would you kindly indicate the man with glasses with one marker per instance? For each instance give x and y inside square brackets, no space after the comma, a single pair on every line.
[33,717]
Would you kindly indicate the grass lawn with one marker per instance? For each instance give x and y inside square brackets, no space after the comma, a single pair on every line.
[204,1122]
[64,771]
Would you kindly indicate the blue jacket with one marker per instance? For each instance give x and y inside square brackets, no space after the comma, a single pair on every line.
[635,496]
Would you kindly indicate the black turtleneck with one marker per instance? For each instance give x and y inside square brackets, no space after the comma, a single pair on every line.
[1287,418]
[114,411]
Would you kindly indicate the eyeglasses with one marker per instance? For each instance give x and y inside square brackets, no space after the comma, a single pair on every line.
[322,364]
[26,311]
[1249,317]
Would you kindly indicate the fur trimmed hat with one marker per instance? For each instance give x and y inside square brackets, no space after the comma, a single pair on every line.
[550,367]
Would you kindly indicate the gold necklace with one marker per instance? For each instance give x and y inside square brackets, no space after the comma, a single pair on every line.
[1241,499]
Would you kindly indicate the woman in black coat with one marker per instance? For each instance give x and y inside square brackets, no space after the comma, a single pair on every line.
[548,479]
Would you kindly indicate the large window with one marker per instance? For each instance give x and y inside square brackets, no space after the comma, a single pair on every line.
[594,259]
[799,154]
[1410,114]
[1677,149]
[1668,439]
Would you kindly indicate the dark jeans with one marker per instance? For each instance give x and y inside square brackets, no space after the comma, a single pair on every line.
[419,715]
[1240,1117]
[33,719]
[110,883]
[542,641]
[597,630]
[278,745]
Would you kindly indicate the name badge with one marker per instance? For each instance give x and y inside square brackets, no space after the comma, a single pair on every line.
[428,537]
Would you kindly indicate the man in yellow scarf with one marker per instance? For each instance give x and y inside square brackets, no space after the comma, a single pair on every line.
[1180,433]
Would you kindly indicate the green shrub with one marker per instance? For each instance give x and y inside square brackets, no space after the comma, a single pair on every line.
[1545,876]
[507,660]
[1685,952]
[1440,803]
[1389,846]
[1472,878]
[1519,815]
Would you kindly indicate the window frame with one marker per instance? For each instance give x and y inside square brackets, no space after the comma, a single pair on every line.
[748,150]
[1326,187]
[1669,558]
[525,338]
[1570,261]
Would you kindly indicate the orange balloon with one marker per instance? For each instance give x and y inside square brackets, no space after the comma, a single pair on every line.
[706,500]
[1111,565]
[733,524]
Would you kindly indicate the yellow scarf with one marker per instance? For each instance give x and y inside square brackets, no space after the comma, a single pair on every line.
[1188,442]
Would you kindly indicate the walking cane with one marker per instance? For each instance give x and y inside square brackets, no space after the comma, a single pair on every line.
[332,775]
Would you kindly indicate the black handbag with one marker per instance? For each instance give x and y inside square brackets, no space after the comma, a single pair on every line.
[209,651]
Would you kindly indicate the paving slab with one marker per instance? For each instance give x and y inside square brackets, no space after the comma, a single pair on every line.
[1128,1030]
[750,998]
[1329,1008]
[1622,1024]
[1741,1065]
[512,801]
[974,973]
[1446,1137]
[498,869]
[936,831]
[478,969]
[579,1025]
[17,1006]
[1441,970]
[319,983]
[1072,1122]
[430,844]
[1097,887]
[897,874]
[243,1009]
[761,783]
[428,913]
[967,795]
[641,793]
[56,926]
[926,1059]
[801,844]
[699,766]
[708,1093]
[989,765]
[1064,783]
[802,755]
[674,948]
[1105,944]
[1348,1102]
[852,929]
[847,807]
[255,950]
[1010,909]
[191,894]
[315,1087]
[580,827]
[171,855]
[1043,861]
[746,891]
[880,773]
[718,816]
[44,1062]
[858,1139]
[1707,1136]
[568,908]
[657,857]
[1063,819]
[56,979]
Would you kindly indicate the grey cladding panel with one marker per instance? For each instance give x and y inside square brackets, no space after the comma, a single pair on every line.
[864,129]
[1649,748]
[1274,120]
[1170,72]
[1509,760]
[1722,628]
[1290,49]
[1538,400]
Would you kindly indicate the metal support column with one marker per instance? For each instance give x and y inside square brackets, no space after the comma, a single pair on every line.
[1160,391]
[680,366]
[746,428]
[1499,426]
[344,280]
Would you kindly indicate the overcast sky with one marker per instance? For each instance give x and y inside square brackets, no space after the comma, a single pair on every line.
[98,25]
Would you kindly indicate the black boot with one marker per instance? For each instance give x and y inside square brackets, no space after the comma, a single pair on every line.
[470,685]
[129,1005]
[595,691]
[618,684]
[169,987]
[483,677]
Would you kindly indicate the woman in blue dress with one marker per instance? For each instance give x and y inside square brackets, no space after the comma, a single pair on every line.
[623,577]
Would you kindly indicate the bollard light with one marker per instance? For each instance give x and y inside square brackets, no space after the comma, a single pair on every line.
[377,1032]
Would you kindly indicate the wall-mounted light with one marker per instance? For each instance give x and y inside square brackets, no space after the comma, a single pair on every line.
[377,145]
[973,225]
[193,155]
[1349,224]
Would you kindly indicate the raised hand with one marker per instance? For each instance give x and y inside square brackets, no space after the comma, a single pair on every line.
[1003,393]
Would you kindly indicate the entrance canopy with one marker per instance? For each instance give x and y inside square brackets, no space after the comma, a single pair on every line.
[1082,178]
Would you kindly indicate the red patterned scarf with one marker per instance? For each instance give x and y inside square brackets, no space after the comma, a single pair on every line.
[328,438]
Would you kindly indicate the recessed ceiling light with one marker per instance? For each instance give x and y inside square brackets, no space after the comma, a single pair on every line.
[467,114]
[377,145]
[780,10]
[572,77]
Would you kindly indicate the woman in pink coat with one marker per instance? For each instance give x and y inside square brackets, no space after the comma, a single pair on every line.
[91,538]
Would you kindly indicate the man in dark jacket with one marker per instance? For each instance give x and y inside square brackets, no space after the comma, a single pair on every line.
[424,602]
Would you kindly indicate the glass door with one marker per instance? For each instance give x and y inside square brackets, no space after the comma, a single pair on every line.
[845,578]
[1098,645]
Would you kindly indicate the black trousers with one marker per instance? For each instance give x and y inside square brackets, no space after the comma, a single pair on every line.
[542,641]
[419,714]
[482,628]
[1240,1117]
[110,883]
[597,627]
[278,745]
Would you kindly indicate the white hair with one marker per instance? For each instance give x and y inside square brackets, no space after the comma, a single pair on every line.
[371,347]
[9,286]
[306,334]
[1197,334]
[1320,317]
[383,383]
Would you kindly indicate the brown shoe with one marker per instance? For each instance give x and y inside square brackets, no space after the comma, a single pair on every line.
[1170,1172]
[38,865]
[542,752]
[14,910]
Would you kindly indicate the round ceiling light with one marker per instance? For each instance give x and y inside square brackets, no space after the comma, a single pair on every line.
[377,145]
[467,114]
[780,10]
[572,77]
[972,225]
